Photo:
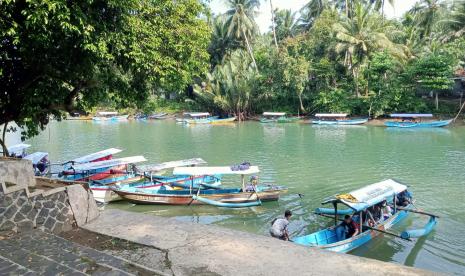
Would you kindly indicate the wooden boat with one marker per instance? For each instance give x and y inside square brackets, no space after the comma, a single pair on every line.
[186,196]
[100,169]
[223,120]
[196,118]
[18,150]
[158,116]
[359,203]
[410,120]
[102,155]
[336,119]
[277,117]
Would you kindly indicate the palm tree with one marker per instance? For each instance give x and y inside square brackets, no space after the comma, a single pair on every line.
[240,19]
[426,14]
[285,24]
[310,12]
[221,43]
[361,35]
[456,22]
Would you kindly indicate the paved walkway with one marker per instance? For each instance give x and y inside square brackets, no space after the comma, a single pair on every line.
[39,253]
[193,249]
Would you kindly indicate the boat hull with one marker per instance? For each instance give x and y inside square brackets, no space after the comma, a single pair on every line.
[442,123]
[184,197]
[350,244]
[340,122]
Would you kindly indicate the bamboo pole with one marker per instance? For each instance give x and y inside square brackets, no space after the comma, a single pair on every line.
[418,212]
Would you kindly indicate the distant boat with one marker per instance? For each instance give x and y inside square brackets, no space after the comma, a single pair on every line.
[109,116]
[158,116]
[277,117]
[413,120]
[203,118]
[360,203]
[336,119]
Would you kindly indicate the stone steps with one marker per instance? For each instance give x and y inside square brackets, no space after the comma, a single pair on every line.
[42,253]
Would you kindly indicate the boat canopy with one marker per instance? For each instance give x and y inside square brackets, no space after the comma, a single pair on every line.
[274,113]
[107,113]
[331,115]
[197,114]
[213,170]
[411,115]
[96,155]
[170,165]
[108,163]
[370,195]
[36,157]
[18,148]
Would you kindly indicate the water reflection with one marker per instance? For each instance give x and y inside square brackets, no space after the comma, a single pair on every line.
[317,161]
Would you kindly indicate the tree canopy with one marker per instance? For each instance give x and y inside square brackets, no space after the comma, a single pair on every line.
[57,55]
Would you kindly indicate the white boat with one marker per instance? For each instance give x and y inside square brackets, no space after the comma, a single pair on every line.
[109,116]
[97,156]
[336,119]
[40,162]
[18,150]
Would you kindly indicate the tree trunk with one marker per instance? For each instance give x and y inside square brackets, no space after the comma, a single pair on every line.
[301,103]
[437,101]
[2,141]
[272,24]
[249,49]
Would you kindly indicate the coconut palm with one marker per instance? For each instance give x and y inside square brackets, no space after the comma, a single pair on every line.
[229,86]
[309,13]
[240,19]
[456,22]
[426,14]
[221,43]
[285,24]
[363,34]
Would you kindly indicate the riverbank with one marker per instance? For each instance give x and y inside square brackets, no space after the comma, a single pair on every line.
[193,249]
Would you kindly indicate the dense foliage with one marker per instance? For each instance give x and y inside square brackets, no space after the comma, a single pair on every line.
[59,55]
[336,56]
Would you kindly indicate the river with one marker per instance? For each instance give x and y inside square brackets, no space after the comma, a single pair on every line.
[315,161]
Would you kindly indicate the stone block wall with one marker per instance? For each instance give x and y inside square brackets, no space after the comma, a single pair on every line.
[18,172]
[21,211]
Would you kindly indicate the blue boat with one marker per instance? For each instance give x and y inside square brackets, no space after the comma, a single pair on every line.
[336,119]
[411,120]
[360,203]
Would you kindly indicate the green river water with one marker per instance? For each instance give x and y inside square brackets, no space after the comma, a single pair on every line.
[316,161]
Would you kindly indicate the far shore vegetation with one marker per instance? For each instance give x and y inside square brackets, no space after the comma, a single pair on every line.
[59,57]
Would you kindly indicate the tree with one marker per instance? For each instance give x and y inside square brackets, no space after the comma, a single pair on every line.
[309,13]
[285,24]
[58,55]
[240,19]
[433,72]
[360,35]
[229,87]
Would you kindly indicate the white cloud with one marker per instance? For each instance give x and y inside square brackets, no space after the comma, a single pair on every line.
[264,13]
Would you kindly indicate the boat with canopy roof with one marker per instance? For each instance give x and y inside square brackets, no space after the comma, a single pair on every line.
[151,177]
[336,119]
[414,120]
[277,117]
[109,116]
[250,194]
[361,204]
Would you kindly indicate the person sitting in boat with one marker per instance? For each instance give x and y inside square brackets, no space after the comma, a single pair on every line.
[252,185]
[404,198]
[279,227]
[348,227]
[386,210]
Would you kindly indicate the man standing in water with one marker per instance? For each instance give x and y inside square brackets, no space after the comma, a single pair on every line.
[279,227]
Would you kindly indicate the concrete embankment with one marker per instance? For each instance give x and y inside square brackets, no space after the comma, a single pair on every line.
[194,249]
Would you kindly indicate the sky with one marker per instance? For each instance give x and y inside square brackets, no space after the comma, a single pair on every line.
[264,17]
